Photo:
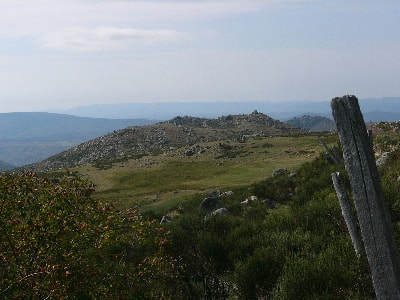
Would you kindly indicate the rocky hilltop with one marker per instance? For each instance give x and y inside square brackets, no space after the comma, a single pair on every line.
[137,141]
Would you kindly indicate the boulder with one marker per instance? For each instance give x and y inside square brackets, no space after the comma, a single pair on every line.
[383,158]
[279,171]
[220,212]
[209,203]
[227,194]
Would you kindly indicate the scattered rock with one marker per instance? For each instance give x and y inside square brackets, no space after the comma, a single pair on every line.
[383,158]
[279,171]
[162,138]
[227,194]
[220,212]
[248,200]
[245,202]
[165,219]
[209,203]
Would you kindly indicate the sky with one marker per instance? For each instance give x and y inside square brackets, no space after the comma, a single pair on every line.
[66,53]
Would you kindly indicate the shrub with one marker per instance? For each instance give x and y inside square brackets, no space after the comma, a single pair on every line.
[256,277]
[334,273]
[56,241]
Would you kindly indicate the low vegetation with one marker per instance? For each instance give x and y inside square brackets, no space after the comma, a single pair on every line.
[230,229]
[57,242]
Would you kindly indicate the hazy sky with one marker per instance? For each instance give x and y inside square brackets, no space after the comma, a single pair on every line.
[58,54]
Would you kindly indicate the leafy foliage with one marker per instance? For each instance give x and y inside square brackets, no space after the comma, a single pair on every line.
[57,242]
[291,243]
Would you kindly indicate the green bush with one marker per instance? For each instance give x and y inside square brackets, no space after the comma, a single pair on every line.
[57,242]
[297,249]
[256,276]
[333,273]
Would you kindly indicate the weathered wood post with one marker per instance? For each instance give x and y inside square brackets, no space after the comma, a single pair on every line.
[372,213]
[348,214]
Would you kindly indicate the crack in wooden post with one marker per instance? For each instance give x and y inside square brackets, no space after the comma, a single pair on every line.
[372,213]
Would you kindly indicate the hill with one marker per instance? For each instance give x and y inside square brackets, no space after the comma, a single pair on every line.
[312,123]
[134,142]
[31,137]
[157,166]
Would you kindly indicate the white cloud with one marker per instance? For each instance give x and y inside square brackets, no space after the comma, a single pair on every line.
[32,17]
[106,38]
[87,25]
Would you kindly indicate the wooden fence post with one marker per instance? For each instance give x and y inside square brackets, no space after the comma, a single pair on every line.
[348,215]
[372,213]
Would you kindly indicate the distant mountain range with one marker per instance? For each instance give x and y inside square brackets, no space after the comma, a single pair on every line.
[26,138]
[30,137]
[374,110]
[45,127]
[312,123]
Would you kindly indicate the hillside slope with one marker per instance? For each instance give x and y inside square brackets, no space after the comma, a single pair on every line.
[137,141]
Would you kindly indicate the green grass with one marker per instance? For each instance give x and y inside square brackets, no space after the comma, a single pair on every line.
[161,182]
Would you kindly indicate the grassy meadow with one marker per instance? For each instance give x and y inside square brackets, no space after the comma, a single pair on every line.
[160,182]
